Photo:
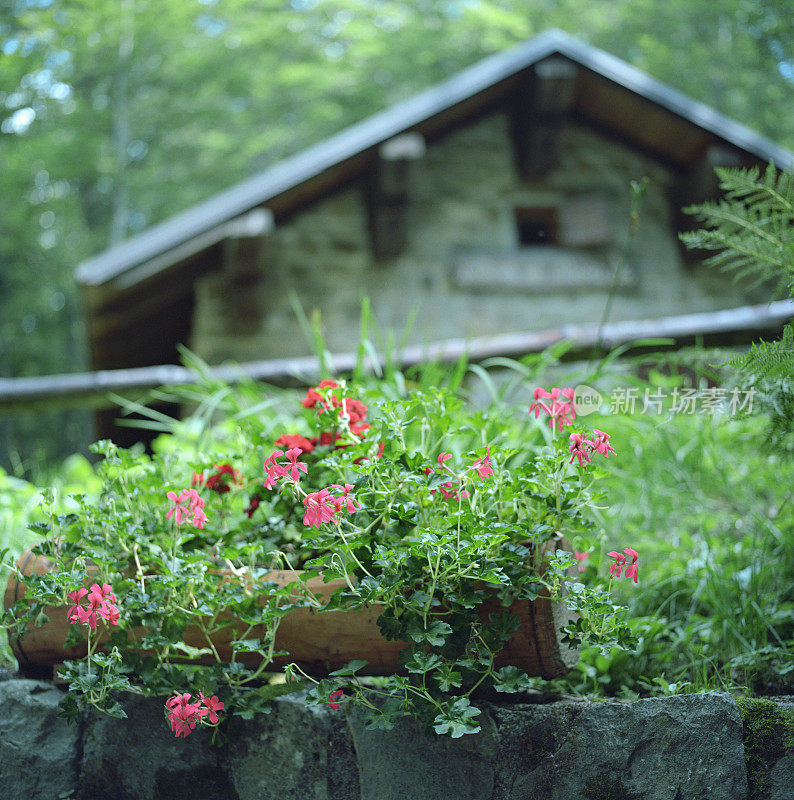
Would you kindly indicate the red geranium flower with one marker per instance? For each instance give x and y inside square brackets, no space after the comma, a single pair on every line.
[253,504]
[313,396]
[290,441]
[217,481]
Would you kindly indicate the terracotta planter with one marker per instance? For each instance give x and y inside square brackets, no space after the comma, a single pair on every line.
[321,642]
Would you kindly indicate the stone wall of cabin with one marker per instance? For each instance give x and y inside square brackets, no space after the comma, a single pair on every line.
[464,271]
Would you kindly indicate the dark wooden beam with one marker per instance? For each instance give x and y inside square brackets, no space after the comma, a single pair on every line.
[700,182]
[242,279]
[540,108]
[389,194]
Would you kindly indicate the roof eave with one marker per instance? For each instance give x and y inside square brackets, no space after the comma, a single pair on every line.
[164,241]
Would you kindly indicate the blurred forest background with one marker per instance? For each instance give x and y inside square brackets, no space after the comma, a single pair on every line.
[115,114]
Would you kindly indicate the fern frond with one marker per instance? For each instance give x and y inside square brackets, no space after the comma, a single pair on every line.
[751,230]
[774,360]
[776,187]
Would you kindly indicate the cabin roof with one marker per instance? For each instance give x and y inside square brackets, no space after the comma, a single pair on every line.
[617,97]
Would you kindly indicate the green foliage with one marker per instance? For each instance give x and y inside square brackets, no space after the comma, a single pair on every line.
[116,116]
[769,369]
[712,516]
[772,360]
[20,512]
[751,229]
[709,511]
[406,510]
[752,232]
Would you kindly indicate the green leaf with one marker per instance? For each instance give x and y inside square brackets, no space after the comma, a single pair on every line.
[423,662]
[457,719]
[435,633]
[351,668]
[238,646]
[446,678]
[511,679]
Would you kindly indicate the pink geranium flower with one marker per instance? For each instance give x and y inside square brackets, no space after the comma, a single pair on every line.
[72,614]
[601,443]
[345,501]
[447,489]
[320,508]
[443,457]
[274,471]
[580,448]
[617,566]
[581,558]
[193,511]
[630,570]
[178,511]
[182,714]
[101,602]
[297,467]
[482,466]
[212,705]
[561,412]
[450,491]
[583,449]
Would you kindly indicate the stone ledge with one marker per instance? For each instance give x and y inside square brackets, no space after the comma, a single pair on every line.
[676,748]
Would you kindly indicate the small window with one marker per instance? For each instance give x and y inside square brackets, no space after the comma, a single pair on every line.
[536,226]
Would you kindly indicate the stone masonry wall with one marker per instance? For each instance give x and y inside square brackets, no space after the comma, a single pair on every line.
[687,747]
[463,198]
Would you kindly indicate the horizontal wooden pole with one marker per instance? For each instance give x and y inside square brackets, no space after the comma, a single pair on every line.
[91,389]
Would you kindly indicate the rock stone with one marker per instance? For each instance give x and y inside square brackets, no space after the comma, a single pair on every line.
[295,753]
[406,762]
[689,746]
[781,778]
[139,758]
[5,674]
[39,751]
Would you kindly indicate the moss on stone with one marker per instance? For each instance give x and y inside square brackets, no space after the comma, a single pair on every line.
[536,755]
[768,733]
[609,789]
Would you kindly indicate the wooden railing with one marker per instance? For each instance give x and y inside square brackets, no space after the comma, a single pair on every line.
[91,389]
